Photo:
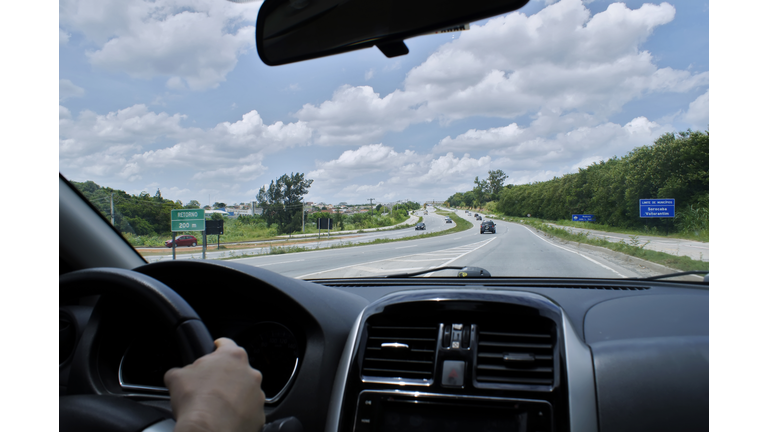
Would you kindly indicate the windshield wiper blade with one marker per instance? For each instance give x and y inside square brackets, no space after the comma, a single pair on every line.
[671,275]
[471,272]
[405,275]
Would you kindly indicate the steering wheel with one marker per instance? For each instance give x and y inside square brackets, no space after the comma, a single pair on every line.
[89,412]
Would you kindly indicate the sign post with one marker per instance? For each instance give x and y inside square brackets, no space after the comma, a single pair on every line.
[187,220]
[583,218]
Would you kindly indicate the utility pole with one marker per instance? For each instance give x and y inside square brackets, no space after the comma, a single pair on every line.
[112,207]
[302,215]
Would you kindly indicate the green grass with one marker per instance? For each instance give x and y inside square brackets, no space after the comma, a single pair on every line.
[460,225]
[633,248]
[235,232]
[702,236]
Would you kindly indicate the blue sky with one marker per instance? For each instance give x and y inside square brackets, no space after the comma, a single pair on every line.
[171,94]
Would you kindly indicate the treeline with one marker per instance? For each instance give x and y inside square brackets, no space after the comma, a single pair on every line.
[675,166]
[380,216]
[141,214]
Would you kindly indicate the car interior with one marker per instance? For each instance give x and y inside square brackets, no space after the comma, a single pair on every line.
[383,353]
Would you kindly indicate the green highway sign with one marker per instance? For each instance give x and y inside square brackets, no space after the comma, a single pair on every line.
[185,214]
[188,225]
[188,220]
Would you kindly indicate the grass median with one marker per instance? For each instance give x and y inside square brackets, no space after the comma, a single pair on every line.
[460,225]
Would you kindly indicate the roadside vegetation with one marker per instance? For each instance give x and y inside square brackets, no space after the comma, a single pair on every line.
[675,166]
[459,225]
[145,220]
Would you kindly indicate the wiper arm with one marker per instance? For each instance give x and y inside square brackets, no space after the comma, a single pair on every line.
[464,272]
[671,275]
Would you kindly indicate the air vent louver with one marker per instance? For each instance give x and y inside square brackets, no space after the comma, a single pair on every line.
[406,352]
[522,354]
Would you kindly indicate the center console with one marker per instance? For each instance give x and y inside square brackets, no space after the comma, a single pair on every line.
[455,361]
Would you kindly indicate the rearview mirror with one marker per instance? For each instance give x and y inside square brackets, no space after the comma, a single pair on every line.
[288,31]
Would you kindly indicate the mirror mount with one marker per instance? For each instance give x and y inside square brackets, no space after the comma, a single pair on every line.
[393,49]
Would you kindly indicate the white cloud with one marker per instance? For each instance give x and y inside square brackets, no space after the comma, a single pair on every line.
[525,149]
[63,37]
[67,90]
[130,142]
[358,114]
[561,59]
[402,174]
[368,74]
[196,41]
[698,113]
[363,161]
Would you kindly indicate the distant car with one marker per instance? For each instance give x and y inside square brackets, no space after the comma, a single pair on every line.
[448,220]
[487,226]
[478,217]
[421,226]
[183,240]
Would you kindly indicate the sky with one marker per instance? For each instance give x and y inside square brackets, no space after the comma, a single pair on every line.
[171,95]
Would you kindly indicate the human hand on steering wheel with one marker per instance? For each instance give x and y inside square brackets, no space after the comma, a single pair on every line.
[219,392]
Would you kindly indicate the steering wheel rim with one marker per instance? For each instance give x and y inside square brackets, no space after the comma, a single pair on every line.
[97,412]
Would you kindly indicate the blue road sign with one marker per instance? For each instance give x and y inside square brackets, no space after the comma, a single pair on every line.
[583,218]
[657,208]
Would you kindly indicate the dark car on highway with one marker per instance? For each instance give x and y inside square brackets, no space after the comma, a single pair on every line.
[448,220]
[421,226]
[184,240]
[488,226]
[478,217]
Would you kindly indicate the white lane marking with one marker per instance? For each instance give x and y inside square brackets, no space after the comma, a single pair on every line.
[405,247]
[281,262]
[416,260]
[574,252]
[393,271]
[465,253]
[371,262]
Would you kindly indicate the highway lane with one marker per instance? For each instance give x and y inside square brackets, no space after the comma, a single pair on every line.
[433,222]
[515,250]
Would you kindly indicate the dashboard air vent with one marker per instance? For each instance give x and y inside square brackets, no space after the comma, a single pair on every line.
[518,354]
[405,352]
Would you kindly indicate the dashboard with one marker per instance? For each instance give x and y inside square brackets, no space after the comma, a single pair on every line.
[419,354]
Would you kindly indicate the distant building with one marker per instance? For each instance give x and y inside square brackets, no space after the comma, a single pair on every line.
[209,213]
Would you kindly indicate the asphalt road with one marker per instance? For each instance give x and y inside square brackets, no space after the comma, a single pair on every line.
[515,250]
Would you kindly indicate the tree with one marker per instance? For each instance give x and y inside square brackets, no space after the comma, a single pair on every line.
[495,183]
[282,199]
[481,190]
[192,204]
[218,205]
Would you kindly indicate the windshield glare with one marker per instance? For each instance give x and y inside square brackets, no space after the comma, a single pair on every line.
[561,140]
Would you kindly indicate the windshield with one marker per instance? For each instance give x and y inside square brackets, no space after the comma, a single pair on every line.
[566,139]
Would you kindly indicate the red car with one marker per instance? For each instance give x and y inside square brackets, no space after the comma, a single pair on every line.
[184,240]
